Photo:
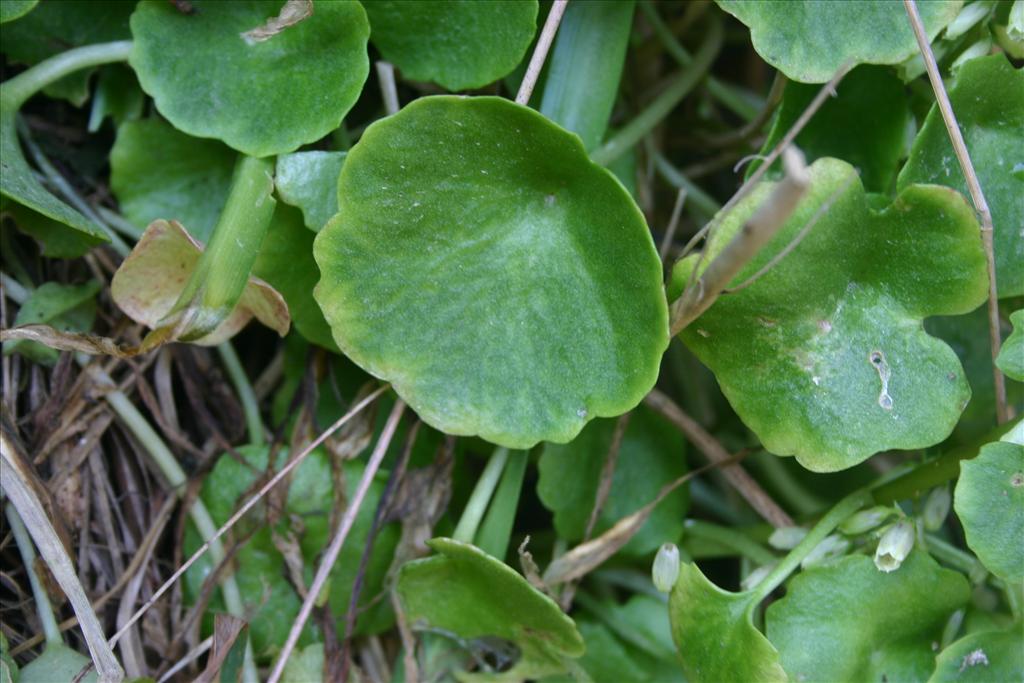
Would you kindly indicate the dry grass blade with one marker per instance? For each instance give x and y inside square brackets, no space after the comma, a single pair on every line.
[52,550]
[226,630]
[334,548]
[758,230]
[540,53]
[751,491]
[585,557]
[977,197]
[355,410]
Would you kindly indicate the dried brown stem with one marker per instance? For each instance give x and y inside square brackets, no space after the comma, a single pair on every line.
[758,230]
[334,548]
[540,52]
[751,491]
[977,197]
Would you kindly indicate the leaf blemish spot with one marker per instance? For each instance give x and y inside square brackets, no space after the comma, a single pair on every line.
[877,359]
[1017,480]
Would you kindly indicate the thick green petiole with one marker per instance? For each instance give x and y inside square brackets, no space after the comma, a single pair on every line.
[220,276]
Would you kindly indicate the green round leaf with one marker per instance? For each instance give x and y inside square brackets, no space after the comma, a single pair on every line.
[851,622]
[1011,355]
[159,172]
[982,658]
[57,663]
[824,356]
[863,124]
[988,99]
[808,40]
[504,284]
[651,455]
[458,44]
[261,98]
[466,592]
[13,9]
[989,500]
[309,180]
[713,631]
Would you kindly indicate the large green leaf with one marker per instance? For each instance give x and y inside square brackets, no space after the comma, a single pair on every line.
[261,98]
[824,356]
[466,593]
[309,180]
[504,284]
[982,657]
[458,44]
[988,100]
[1011,355]
[260,566]
[851,622]
[989,500]
[651,455]
[286,262]
[808,40]
[863,124]
[715,635]
[159,172]
[55,26]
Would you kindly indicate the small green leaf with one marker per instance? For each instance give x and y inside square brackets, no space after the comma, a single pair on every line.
[851,622]
[503,283]
[823,356]
[468,594]
[652,454]
[57,663]
[54,237]
[14,9]
[157,172]
[286,262]
[54,27]
[1011,355]
[715,635]
[982,657]
[809,40]
[262,98]
[64,307]
[458,44]
[864,124]
[309,180]
[305,665]
[118,96]
[988,100]
[261,571]
[989,500]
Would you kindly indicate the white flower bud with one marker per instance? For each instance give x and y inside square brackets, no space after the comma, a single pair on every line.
[756,577]
[865,520]
[666,567]
[936,508]
[829,549]
[787,537]
[894,546]
[1015,27]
